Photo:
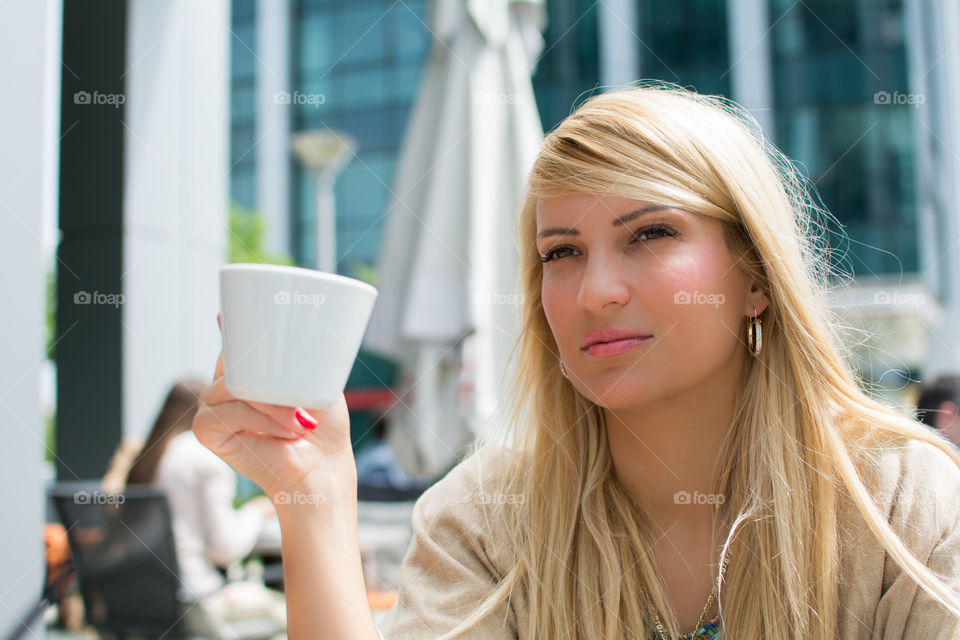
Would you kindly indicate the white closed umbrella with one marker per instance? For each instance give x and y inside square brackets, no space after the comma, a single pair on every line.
[448,310]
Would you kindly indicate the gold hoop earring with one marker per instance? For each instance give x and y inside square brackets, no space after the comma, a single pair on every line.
[563,369]
[754,334]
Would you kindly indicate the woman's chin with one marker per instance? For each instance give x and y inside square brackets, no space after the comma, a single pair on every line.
[617,395]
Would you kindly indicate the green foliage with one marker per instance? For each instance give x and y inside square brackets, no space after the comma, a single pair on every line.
[51,315]
[364,272]
[49,437]
[246,238]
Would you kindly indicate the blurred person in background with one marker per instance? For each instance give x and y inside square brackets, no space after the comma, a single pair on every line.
[209,531]
[939,407]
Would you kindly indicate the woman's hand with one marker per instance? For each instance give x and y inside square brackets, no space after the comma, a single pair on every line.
[303,460]
[296,455]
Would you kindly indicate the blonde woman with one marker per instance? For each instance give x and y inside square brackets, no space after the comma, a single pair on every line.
[689,453]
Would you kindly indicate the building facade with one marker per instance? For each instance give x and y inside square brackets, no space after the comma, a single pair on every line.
[855,93]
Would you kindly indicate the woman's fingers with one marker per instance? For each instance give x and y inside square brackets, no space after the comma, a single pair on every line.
[217,393]
[236,415]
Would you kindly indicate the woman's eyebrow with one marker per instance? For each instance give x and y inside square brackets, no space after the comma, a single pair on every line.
[622,220]
[558,231]
[627,217]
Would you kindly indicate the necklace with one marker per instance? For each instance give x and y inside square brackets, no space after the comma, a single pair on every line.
[706,607]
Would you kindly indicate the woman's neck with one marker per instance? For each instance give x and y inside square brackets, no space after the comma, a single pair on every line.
[665,452]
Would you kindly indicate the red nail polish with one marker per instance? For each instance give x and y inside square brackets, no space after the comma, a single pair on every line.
[306,420]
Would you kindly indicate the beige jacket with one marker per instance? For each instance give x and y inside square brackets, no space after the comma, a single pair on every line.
[456,558]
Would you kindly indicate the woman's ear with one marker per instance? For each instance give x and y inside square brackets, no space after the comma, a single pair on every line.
[756,299]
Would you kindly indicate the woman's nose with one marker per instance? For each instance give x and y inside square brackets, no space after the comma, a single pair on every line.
[602,284]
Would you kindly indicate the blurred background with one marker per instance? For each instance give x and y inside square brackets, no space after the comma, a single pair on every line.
[144,143]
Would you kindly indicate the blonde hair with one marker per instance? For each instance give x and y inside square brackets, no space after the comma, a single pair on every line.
[805,437]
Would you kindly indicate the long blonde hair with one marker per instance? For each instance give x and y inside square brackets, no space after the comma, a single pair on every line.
[805,436]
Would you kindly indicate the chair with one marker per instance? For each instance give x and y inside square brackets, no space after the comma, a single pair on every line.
[126,563]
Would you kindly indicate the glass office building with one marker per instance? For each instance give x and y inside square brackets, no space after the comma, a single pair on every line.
[828,62]
[828,80]
[834,64]
[364,57]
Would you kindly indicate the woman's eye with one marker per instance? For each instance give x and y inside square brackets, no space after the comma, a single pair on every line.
[553,254]
[653,232]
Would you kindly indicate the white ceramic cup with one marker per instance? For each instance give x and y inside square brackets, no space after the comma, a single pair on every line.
[291,335]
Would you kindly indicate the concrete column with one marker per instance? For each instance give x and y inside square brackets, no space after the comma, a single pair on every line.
[751,60]
[933,29]
[273,122]
[90,388]
[619,43]
[30,47]
[175,197]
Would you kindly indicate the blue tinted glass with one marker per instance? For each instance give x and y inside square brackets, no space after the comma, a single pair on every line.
[831,58]
[360,240]
[405,83]
[364,89]
[569,65]
[362,187]
[242,49]
[243,187]
[359,35]
[686,42]
[242,104]
[364,57]
[242,145]
[411,38]
[243,10]
[315,42]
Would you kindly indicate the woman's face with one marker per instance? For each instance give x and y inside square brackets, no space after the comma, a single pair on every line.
[661,275]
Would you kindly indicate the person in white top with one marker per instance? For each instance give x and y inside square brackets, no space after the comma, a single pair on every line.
[209,532]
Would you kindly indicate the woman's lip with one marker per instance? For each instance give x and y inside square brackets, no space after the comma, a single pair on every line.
[615,347]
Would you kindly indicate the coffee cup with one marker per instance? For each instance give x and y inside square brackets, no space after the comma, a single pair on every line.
[290,334]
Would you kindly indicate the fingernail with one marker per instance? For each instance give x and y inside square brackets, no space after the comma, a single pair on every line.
[306,420]
[219,322]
